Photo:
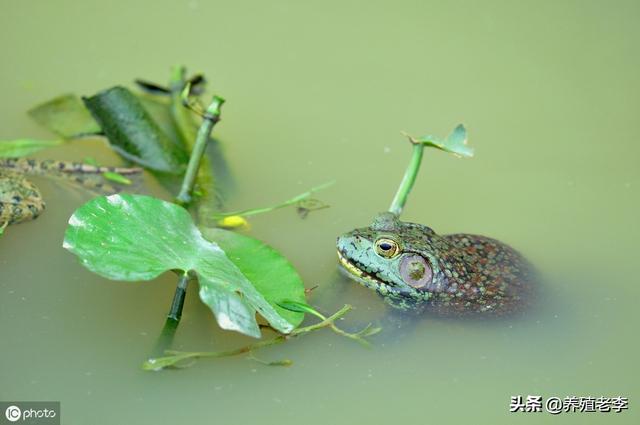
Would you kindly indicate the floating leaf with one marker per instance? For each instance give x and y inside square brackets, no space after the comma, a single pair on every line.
[455,143]
[270,272]
[133,133]
[134,237]
[66,116]
[24,147]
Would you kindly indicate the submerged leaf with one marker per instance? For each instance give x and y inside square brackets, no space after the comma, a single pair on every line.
[133,133]
[24,147]
[134,237]
[455,143]
[66,116]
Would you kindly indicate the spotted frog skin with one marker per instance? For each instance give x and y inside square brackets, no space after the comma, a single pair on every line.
[413,268]
[20,200]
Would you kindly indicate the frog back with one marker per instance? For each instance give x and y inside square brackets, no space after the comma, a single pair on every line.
[20,200]
[500,281]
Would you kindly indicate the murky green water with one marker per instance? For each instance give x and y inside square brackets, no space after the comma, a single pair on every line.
[550,94]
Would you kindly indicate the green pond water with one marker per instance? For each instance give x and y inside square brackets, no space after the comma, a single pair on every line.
[320,91]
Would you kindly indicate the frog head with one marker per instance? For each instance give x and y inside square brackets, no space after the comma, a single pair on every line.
[403,262]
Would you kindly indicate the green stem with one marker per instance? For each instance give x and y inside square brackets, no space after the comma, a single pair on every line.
[211,117]
[175,357]
[408,180]
[166,337]
[175,313]
[183,118]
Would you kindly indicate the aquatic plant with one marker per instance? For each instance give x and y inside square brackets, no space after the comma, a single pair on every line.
[455,143]
[132,238]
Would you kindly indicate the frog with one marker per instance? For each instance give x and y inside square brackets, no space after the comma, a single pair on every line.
[21,200]
[415,269]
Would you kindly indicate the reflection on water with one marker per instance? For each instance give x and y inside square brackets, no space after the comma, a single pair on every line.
[319,92]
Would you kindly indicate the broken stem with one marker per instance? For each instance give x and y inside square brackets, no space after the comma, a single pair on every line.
[210,118]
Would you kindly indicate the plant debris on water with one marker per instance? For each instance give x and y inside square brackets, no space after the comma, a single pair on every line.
[129,237]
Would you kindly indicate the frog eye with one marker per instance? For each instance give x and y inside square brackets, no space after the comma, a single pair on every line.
[415,271]
[387,248]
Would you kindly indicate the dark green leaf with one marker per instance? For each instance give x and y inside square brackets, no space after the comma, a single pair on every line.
[133,133]
[152,88]
[159,110]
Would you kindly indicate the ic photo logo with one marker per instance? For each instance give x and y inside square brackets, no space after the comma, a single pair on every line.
[30,412]
[13,413]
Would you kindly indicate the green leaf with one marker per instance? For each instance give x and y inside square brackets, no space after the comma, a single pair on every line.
[133,133]
[66,116]
[300,307]
[269,271]
[455,143]
[24,147]
[116,177]
[135,237]
[159,110]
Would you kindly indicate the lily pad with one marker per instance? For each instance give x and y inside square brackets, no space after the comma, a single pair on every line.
[135,237]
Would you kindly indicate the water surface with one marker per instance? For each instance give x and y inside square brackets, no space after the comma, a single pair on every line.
[317,92]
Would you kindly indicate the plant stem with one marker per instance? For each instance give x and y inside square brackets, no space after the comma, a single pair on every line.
[175,357]
[210,118]
[183,118]
[409,178]
[166,337]
[178,299]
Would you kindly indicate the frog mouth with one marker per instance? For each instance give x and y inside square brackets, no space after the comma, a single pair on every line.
[367,279]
